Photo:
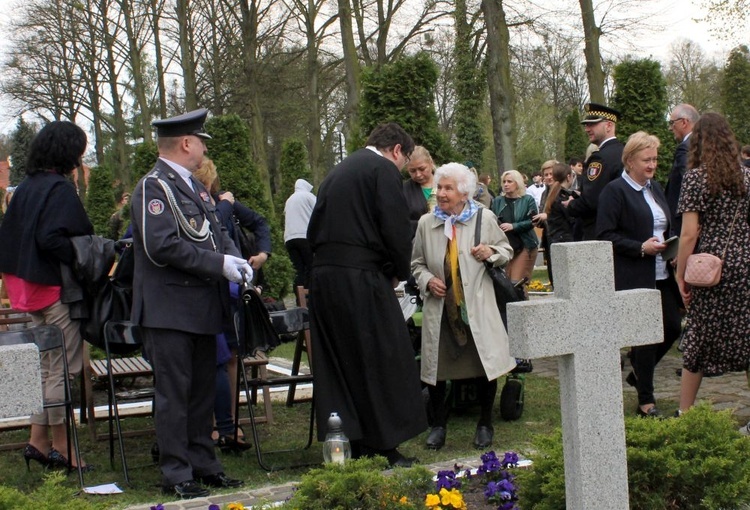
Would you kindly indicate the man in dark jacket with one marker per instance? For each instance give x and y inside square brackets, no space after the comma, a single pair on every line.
[681,122]
[602,167]
[183,259]
[363,360]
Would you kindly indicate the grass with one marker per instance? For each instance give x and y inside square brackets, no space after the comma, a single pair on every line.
[541,414]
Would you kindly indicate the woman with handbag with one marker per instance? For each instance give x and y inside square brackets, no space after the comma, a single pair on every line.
[462,333]
[714,202]
[633,214]
[514,210]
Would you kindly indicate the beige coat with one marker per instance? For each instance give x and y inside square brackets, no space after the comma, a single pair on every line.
[485,322]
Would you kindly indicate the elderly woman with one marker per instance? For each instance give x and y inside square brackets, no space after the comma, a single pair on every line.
[633,215]
[514,210]
[462,333]
[419,188]
[45,213]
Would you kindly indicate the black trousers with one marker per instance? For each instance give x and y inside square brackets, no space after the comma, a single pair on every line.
[302,258]
[185,373]
[645,357]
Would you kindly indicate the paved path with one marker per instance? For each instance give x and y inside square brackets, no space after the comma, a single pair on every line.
[727,392]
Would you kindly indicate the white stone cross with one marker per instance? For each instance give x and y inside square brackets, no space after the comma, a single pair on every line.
[586,324]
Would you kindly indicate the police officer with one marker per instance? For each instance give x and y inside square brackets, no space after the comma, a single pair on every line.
[183,260]
[601,167]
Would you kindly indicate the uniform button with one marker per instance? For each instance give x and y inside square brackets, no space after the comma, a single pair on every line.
[186,282]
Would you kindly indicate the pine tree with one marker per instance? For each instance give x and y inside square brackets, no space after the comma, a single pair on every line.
[292,166]
[100,200]
[576,140]
[641,98]
[19,153]
[403,92]
[735,93]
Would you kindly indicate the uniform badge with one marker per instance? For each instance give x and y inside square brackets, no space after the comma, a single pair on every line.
[594,170]
[193,223]
[204,196]
[156,207]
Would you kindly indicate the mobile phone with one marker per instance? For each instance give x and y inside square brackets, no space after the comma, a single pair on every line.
[670,251]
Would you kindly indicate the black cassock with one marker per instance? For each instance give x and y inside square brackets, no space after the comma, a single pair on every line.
[363,361]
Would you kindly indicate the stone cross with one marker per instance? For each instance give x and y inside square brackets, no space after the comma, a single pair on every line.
[20,381]
[586,324]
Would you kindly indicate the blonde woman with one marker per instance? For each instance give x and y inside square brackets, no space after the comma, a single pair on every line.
[514,210]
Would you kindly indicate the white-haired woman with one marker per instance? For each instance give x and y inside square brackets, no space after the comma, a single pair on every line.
[462,333]
[514,210]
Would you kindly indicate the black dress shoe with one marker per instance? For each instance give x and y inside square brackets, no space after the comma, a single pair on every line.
[651,413]
[436,439]
[186,490]
[483,436]
[227,444]
[396,459]
[221,481]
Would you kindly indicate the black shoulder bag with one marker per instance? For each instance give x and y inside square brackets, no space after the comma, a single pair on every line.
[505,291]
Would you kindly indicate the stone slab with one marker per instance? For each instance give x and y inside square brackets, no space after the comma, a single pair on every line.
[20,381]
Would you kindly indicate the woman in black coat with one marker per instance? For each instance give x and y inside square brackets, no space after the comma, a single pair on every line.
[45,213]
[419,189]
[633,215]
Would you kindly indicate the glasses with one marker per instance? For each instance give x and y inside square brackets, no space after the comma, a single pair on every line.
[672,121]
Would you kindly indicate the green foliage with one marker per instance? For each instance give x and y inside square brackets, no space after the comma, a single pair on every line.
[361,484]
[229,148]
[19,152]
[52,495]
[403,92]
[100,200]
[698,461]
[576,140]
[144,160]
[641,97]
[293,166]
[735,93]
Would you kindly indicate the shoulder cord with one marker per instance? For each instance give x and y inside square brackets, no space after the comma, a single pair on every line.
[730,230]
[182,222]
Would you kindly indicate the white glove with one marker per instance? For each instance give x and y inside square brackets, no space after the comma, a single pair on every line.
[235,269]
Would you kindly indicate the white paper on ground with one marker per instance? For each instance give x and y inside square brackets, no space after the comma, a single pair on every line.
[107,488]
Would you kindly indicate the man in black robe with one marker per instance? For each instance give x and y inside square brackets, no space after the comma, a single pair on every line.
[363,361]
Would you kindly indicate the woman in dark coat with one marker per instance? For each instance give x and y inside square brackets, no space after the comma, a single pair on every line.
[419,189]
[35,237]
[633,215]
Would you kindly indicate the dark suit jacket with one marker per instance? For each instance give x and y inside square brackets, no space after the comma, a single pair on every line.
[360,219]
[178,282]
[416,202]
[674,184]
[604,166]
[625,219]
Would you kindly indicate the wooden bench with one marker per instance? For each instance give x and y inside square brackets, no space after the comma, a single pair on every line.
[10,317]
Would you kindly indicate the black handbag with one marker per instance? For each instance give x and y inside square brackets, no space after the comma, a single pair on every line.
[505,291]
[244,239]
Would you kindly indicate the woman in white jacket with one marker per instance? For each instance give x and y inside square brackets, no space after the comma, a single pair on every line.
[463,335]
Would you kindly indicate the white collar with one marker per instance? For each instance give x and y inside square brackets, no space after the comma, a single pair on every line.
[181,171]
[375,150]
[636,186]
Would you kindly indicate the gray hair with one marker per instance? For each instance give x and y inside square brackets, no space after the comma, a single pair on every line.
[466,180]
[687,112]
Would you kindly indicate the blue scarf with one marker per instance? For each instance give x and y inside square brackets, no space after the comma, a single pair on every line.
[469,210]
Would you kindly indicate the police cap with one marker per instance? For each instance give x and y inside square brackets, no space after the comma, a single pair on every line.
[598,112]
[190,123]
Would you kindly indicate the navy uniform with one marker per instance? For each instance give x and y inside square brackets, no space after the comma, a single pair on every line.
[601,168]
[180,299]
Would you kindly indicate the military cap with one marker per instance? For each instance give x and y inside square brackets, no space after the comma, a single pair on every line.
[190,123]
[598,112]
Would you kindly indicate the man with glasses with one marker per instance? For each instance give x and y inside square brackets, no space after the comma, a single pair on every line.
[603,166]
[681,122]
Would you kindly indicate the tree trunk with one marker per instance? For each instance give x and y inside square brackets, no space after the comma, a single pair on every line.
[156,10]
[500,86]
[594,71]
[120,144]
[351,65]
[136,68]
[249,10]
[186,55]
